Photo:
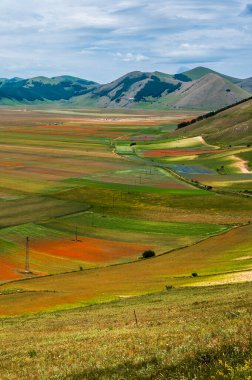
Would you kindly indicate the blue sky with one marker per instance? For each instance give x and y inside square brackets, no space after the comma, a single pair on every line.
[102,40]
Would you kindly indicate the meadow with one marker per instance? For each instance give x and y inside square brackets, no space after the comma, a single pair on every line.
[187,333]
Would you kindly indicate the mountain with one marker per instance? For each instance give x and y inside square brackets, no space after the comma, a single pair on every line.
[163,91]
[200,88]
[231,126]
[39,89]
[246,84]
[132,89]
[199,72]
[210,92]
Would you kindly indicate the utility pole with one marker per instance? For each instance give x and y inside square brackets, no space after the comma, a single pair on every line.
[76,233]
[27,256]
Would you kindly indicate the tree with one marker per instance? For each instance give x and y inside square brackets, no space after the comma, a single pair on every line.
[148,254]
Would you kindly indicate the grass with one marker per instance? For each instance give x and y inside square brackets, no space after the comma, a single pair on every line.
[80,182]
[193,333]
[134,225]
[30,209]
[232,126]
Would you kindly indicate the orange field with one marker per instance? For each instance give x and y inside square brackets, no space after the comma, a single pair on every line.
[9,271]
[224,252]
[90,250]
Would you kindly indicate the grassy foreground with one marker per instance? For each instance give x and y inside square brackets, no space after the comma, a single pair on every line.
[189,333]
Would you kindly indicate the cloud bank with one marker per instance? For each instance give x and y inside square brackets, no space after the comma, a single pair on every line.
[101,40]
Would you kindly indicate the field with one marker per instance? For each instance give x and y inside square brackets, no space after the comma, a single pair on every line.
[93,190]
[188,333]
[46,156]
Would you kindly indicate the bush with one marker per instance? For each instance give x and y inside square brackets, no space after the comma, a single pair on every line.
[148,254]
[32,354]
[194,274]
[168,287]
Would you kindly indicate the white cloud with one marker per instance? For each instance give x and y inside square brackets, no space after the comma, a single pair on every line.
[83,37]
[130,57]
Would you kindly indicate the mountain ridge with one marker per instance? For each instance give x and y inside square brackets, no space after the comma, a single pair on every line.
[199,88]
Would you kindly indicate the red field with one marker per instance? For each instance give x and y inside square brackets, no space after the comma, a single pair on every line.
[90,250]
[8,271]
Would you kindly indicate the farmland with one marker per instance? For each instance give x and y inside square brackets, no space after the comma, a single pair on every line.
[93,190]
[48,157]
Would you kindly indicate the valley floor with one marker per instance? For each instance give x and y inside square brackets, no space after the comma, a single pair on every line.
[93,191]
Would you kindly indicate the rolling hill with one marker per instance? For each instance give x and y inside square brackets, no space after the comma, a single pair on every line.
[41,89]
[200,88]
[199,72]
[232,126]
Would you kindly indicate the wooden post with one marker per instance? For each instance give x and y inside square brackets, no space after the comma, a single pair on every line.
[135,317]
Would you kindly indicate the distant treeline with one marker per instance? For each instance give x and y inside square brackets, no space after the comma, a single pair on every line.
[210,114]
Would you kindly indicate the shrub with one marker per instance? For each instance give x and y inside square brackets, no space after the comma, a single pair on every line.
[168,287]
[148,254]
[32,354]
[194,274]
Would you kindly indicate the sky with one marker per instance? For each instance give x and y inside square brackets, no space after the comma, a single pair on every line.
[101,40]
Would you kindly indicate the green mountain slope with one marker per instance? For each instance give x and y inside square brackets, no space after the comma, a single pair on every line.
[39,89]
[200,88]
[160,91]
[199,72]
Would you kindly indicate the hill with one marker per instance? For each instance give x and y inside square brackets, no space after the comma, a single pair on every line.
[199,72]
[200,88]
[193,333]
[134,88]
[40,89]
[232,126]
[210,92]
[162,91]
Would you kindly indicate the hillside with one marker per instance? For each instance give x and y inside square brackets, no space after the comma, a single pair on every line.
[179,332]
[134,88]
[232,126]
[210,92]
[246,84]
[162,91]
[200,88]
[199,72]
[39,89]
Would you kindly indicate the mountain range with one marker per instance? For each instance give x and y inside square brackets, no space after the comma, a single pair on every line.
[199,88]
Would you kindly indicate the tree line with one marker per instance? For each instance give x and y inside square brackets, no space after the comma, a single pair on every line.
[210,114]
